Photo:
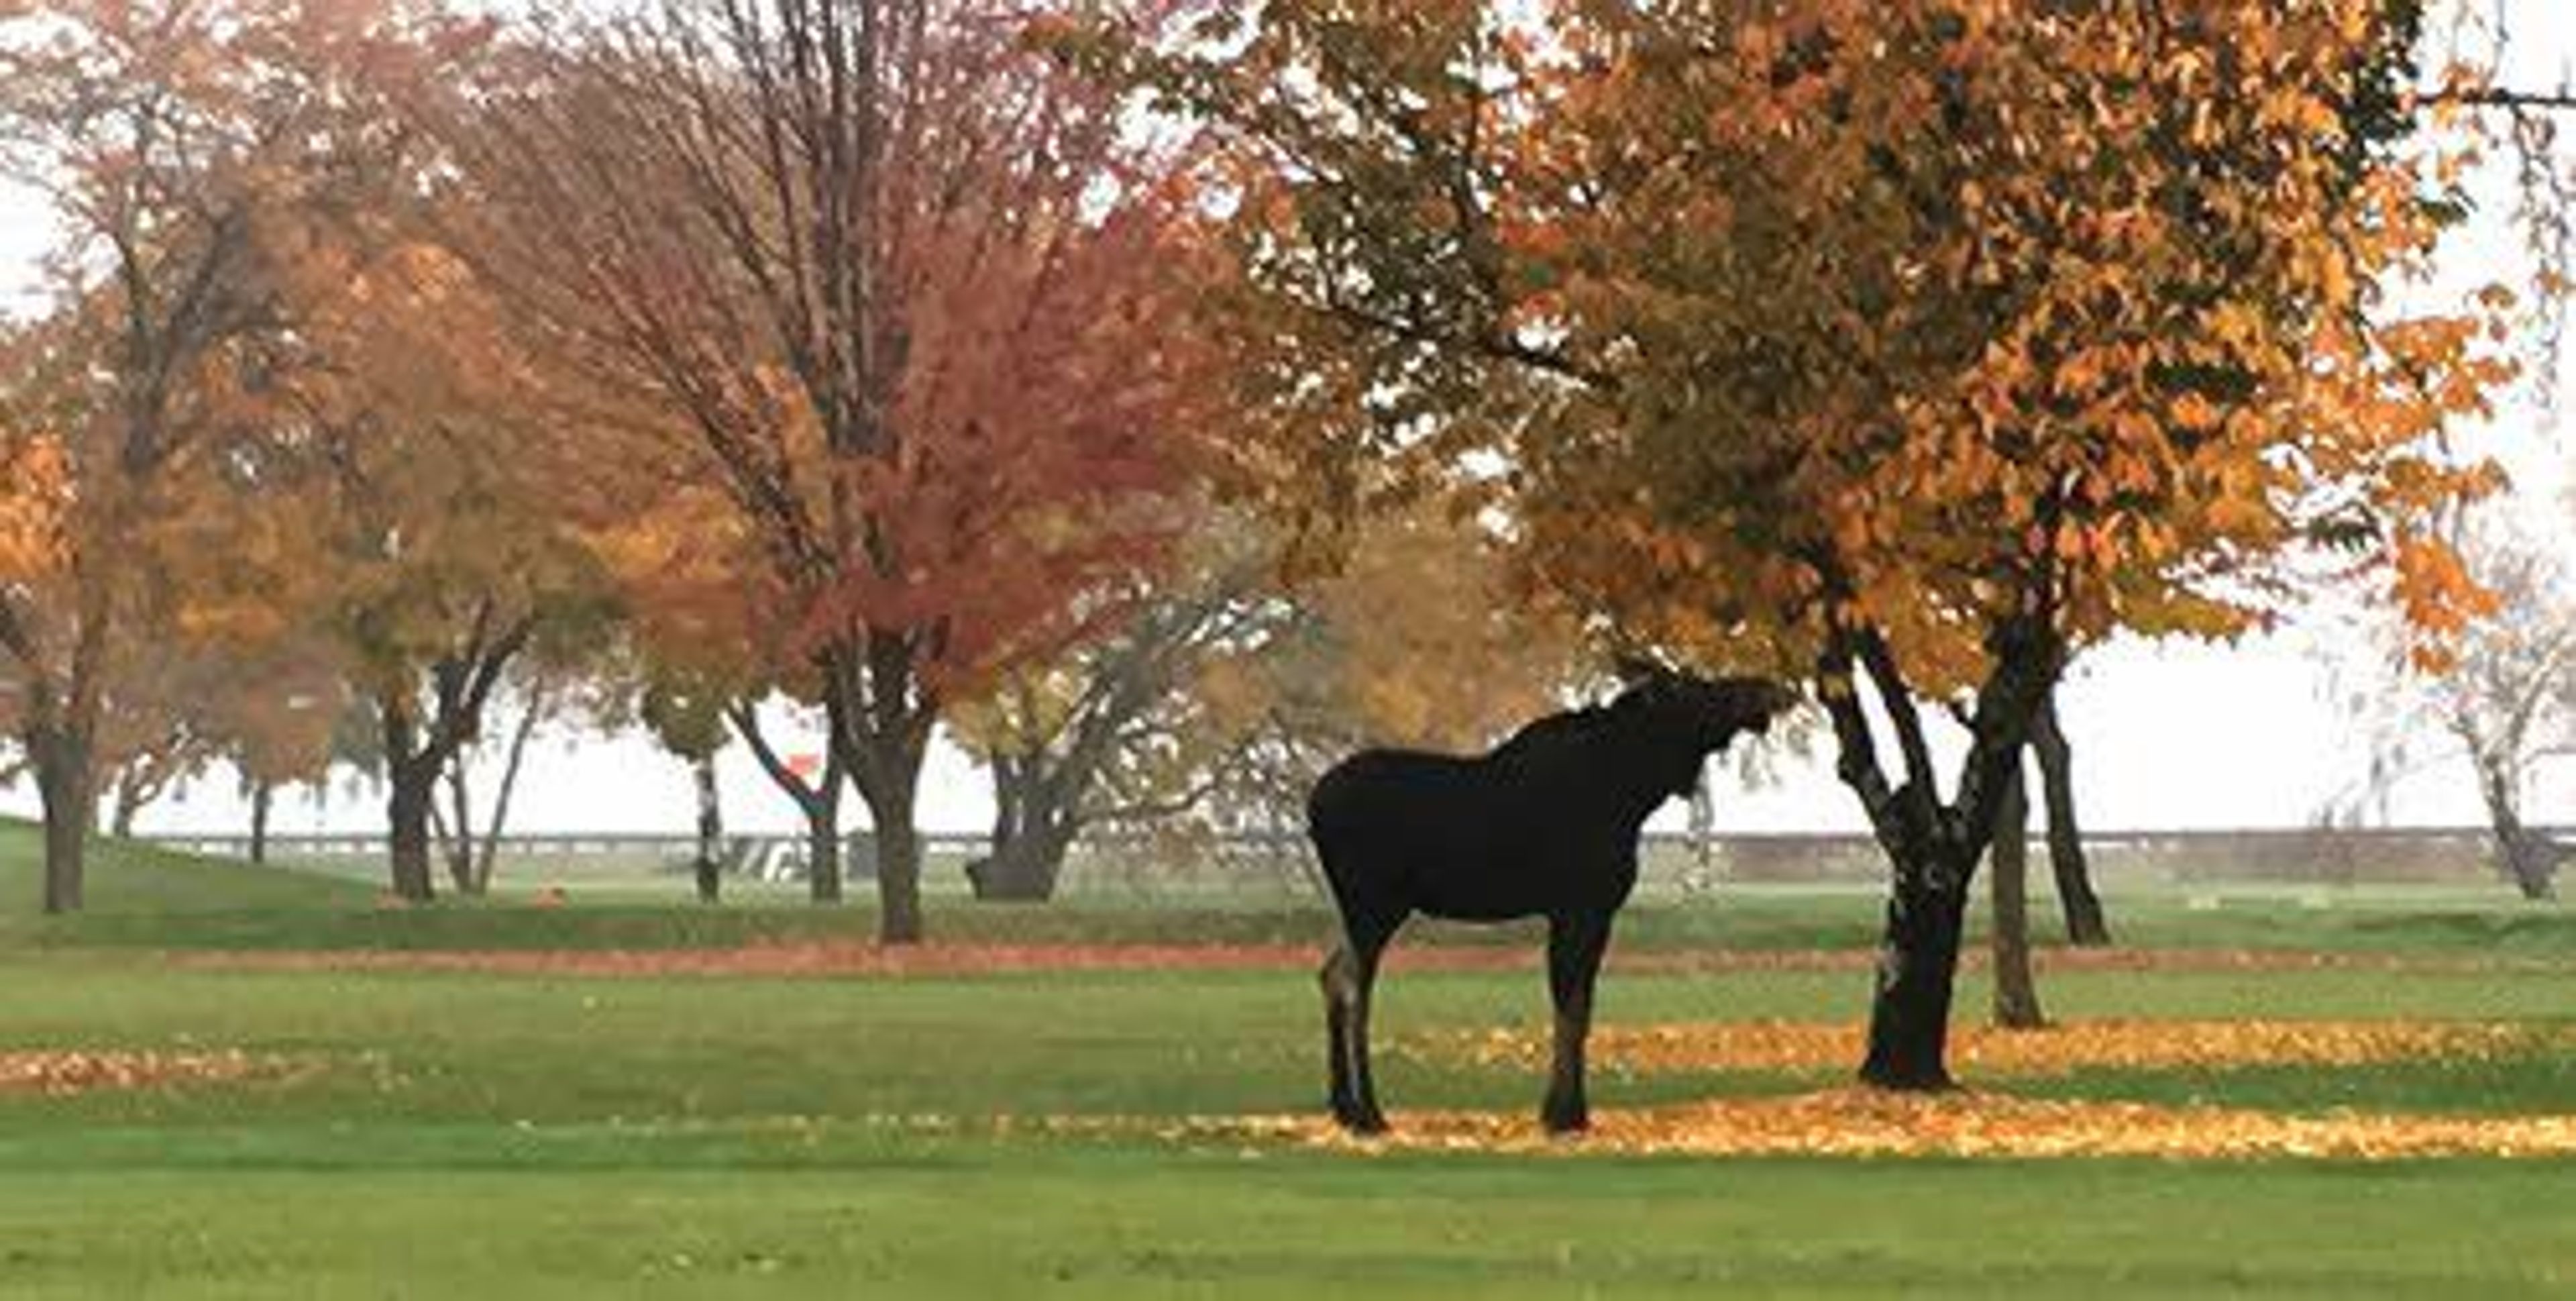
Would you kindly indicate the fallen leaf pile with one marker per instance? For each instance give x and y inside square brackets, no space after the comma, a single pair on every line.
[1855,1122]
[60,1072]
[1978,1050]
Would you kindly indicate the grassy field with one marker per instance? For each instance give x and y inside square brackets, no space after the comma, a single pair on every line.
[437,1134]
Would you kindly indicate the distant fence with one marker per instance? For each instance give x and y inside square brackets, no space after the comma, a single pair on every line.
[1143,862]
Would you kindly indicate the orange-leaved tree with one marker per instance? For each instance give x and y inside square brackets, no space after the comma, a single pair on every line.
[712,637]
[180,145]
[905,289]
[1900,345]
[452,541]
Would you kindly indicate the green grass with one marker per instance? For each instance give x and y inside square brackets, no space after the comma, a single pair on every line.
[145,898]
[506,1136]
[977,1220]
[127,880]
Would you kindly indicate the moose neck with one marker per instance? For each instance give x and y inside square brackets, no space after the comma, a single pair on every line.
[1651,771]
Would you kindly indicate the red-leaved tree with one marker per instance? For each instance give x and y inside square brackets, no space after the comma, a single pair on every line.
[907,291]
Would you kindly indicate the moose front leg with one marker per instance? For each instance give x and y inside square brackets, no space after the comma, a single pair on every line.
[1574,946]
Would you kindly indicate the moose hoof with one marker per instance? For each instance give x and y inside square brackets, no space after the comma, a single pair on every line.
[1565,1120]
[1360,1120]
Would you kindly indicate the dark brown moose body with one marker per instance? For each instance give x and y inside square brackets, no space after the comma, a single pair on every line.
[1544,826]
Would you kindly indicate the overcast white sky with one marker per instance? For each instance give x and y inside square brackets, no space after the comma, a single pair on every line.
[2174,735]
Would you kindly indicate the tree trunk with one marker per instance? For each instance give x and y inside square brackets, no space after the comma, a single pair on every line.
[131,785]
[2016,993]
[823,874]
[1909,1014]
[710,864]
[881,720]
[890,807]
[63,782]
[1024,868]
[820,803]
[823,848]
[2085,925]
[491,852]
[1932,846]
[1031,833]
[262,796]
[2528,860]
[459,835]
[414,787]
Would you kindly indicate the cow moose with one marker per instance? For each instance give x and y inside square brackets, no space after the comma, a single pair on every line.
[1545,825]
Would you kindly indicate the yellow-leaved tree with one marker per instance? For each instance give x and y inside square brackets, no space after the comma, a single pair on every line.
[1902,346]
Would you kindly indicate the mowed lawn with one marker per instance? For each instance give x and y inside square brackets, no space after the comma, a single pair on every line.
[439,1134]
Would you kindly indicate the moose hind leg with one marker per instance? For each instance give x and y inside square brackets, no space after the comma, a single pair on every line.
[1574,947]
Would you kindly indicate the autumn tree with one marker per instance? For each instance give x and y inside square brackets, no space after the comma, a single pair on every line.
[180,145]
[1417,637]
[1905,347]
[685,712]
[903,288]
[450,541]
[707,629]
[2502,706]
[1115,730]
[271,721]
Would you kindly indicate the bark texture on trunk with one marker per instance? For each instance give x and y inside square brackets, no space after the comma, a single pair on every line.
[1933,846]
[63,782]
[2016,993]
[413,790]
[2086,926]
[1918,965]
[898,846]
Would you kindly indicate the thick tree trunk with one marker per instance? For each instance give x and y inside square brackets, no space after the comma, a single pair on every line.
[1932,846]
[414,787]
[1032,832]
[881,720]
[710,864]
[63,783]
[263,796]
[1025,867]
[1909,1014]
[890,808]
[2016,993]
[2085,925]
